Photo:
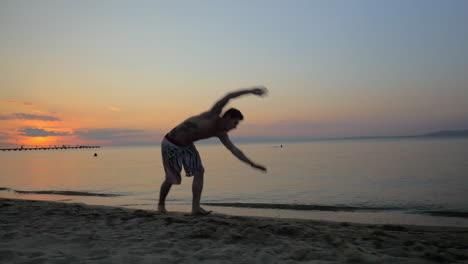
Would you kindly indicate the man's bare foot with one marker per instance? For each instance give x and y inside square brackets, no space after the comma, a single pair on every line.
[200,211]
[162,209]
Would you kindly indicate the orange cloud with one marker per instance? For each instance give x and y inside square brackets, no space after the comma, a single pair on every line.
[38,132]
[114,109]
[24,116]
[16,102]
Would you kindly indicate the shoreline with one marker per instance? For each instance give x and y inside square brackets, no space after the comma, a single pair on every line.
[55,232]
[366,215]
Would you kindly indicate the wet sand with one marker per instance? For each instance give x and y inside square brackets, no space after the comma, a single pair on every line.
[53,232]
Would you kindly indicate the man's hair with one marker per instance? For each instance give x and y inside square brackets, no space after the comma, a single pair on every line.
[233,113]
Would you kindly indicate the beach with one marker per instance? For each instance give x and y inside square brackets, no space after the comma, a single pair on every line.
[54,232]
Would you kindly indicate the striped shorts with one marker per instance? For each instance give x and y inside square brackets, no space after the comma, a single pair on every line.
[175,157]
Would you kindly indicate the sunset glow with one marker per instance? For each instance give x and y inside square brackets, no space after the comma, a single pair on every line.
[125,73]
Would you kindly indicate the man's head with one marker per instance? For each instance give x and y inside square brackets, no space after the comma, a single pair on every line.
[231,119]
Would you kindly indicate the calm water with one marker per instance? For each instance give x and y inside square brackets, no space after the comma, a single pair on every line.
[373,181]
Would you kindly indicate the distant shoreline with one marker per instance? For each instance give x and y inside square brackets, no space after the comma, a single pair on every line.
[296,140]
[48,148]
[443,134]
[402,137]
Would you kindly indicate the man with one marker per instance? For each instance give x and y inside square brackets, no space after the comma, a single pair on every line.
[178,151]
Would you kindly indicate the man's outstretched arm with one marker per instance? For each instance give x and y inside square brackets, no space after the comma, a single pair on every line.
[218,107]
[238,153]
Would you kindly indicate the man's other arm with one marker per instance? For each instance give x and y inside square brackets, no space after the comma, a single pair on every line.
[237,152]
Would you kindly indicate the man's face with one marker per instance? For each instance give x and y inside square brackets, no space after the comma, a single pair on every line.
[231,123]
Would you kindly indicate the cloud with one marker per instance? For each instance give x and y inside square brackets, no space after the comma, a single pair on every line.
[297,125]
[5,117]
[317,129]
[24,116]
[4,135]
[114,109]
[109,134]
[37,132]
[16,102]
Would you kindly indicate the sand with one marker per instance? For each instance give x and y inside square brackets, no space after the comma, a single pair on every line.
[53,232]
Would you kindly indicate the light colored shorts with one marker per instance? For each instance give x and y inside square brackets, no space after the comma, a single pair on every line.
[175,157]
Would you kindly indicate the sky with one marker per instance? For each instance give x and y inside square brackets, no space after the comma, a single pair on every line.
[126,72]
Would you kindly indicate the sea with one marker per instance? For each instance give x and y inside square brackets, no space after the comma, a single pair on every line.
[414,181]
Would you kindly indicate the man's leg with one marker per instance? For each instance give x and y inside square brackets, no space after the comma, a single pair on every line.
[197,187]
[165,188]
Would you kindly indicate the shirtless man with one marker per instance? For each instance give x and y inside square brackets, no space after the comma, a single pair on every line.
[178,150]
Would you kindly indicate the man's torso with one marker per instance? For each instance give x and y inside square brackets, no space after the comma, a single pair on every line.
[195,128]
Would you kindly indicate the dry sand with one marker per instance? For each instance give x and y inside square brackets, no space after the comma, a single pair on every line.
[52,232]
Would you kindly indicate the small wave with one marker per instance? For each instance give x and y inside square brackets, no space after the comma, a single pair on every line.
[447,213]
[304,207]
[308,207]
[126,205]
[72,193]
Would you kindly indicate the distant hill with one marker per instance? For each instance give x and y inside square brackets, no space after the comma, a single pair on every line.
[442,133]
[447,133]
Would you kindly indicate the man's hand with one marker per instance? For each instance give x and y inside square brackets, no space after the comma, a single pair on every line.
[218,107]
[260,167]
[259,90]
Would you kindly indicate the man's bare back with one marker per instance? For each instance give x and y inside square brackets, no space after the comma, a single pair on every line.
[195,128]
